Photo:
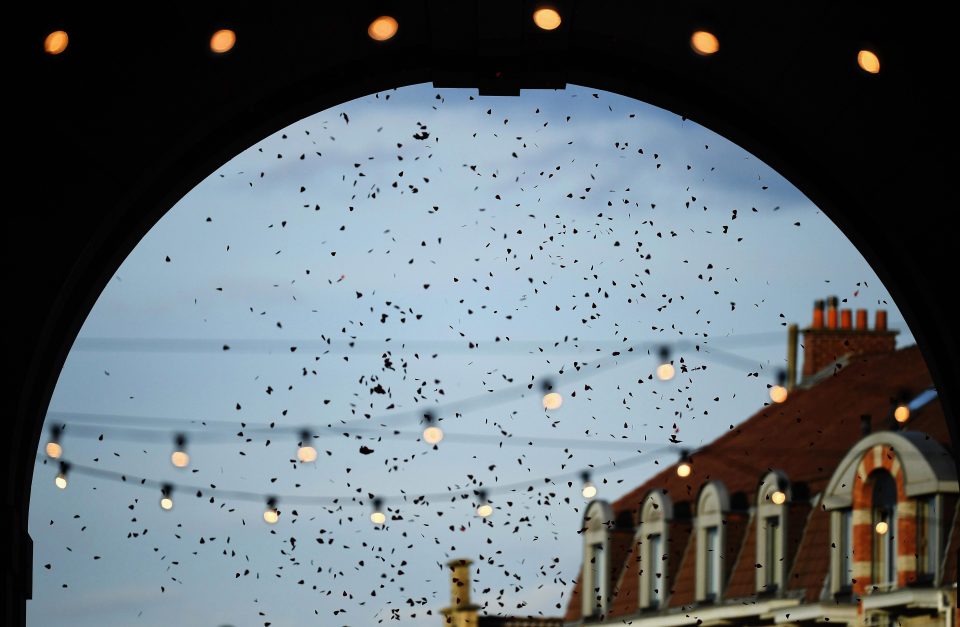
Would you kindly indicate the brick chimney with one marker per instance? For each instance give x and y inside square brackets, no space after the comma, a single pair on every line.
[830,337]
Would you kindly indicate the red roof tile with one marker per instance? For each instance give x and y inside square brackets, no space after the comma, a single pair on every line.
[743,581]
[812,561]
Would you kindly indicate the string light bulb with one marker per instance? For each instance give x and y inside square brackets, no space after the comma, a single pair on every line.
[882,527]
[779,496]
[383,28]
[704,43]
[166,499]
[306,453]
[551,400]
[778,391]
[61,479]
[53,448]
[223,41]
[56,42]
[271,514]
[685,467]
[432,434]
[901,413]
[868,61]
[179,457]
[547,18]
[377,516]
[588,490]
[485,509]
[665,371]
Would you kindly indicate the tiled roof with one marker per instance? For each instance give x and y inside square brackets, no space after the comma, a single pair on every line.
[805,437]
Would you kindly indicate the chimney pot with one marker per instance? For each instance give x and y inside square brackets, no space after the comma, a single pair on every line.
[862,319]
[881,324]
[865,425]
[817,314]
[832,313]
[846,319]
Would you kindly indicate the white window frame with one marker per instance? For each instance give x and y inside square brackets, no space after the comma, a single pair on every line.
[934,536]
[885,548]
[767,509]
[597,520]
[712,505]
[841,537]
[656,512]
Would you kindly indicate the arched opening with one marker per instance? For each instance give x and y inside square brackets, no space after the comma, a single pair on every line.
[95,269]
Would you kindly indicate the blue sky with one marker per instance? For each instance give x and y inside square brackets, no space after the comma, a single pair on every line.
[412,229]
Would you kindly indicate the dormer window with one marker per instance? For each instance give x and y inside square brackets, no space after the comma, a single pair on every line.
[712,506]
[773,498]
[656,512]
[595,579]
[881,494]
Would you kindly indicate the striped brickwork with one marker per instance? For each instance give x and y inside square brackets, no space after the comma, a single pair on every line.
[881,457]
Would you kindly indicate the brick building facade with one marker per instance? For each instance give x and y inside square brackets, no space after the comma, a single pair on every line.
[820,509]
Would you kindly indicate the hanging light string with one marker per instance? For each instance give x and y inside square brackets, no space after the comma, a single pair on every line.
[481,401]
[359,498]
[274,347]
[581,371]
[155,434]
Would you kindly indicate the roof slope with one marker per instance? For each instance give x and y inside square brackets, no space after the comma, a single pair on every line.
[806,437]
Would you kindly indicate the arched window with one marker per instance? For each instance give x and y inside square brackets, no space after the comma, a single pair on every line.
[884,522]
[883,496]
[656,512]
[595,579]
[773,498]
[712,505]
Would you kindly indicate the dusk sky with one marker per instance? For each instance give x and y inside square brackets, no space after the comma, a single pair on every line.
[393,256]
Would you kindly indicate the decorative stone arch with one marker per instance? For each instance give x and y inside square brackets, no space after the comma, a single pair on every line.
[598,518]
[767,509]
[918,464]
[837,156]
[656,512]
[713,503]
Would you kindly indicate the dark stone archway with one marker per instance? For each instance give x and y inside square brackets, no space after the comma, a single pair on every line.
[109,135]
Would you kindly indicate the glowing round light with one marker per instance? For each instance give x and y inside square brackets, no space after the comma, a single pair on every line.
[547,18]
[54,450]
[868,61]
[61,481]
[684,470]
[166,503]
[271,515]
[778,393]
[902,413]
[56,42]
[484,510]
[882,527]
[552,401]
[223,41]
[382,28]
[432,435]
[378,518]
[307,454]
[704,43]
[665,372]
[589,490]
[180,459]
[779,497]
